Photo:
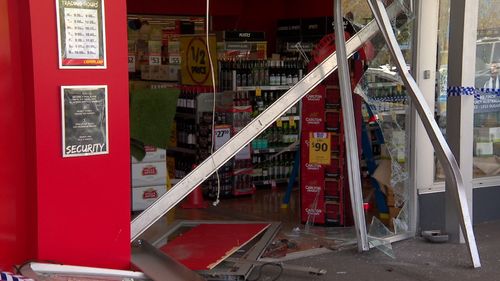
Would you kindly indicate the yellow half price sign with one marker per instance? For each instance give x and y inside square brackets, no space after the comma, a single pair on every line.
[320,148]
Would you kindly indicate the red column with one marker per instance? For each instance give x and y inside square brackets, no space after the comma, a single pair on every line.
[71,210]
[17,173]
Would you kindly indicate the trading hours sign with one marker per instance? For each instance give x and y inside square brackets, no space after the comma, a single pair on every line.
[81,33]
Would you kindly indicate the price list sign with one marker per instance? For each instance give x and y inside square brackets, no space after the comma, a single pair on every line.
[84,120]
[81,34]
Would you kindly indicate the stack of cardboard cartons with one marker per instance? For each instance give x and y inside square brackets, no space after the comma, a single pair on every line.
[149,178]
[154,52]
[323,187]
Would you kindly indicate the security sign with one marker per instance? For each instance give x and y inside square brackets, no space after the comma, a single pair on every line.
[320,148]
[195,61]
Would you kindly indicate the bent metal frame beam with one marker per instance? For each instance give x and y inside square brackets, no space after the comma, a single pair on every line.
[354,175]
[444,153]
[185,186]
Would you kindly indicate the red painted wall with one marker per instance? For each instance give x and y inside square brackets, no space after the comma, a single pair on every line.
[73,210]
[83,202]
[17,173]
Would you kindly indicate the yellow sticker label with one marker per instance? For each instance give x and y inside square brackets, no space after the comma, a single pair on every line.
[258,92]
[399,88]
[320,148]
[279,123]
[291,120]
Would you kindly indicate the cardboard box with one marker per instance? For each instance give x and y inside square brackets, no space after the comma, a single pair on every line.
[174,47]
[143,197]
[154,48]
[169,72]
[332,97]
[333,188]
[153,154]
[389,195]
[333,212]
[333,121]
[311,171]
[308,209]
[145,72]
[313,110]
[394,212]
[148,174]
[312,187]
[313,120]
[336,168]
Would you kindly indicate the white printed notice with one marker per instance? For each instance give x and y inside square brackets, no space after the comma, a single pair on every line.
[81,33]
[84,120]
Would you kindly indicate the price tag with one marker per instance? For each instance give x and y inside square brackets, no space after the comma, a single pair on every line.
[320,148]
[399,88]
[222,135]
[291,120]
[154,60]
[174,60]
[279,123]
[131,63]
[258,92]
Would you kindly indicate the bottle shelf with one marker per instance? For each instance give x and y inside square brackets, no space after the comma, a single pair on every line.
[274,150]
[186,115]
[287,118]
[268,182]
[182,150]
[263,88]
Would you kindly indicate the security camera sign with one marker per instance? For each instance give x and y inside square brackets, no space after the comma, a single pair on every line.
[84,120]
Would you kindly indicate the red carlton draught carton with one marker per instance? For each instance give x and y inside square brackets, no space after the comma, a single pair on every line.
[313,210]
[313,110]
[312,200]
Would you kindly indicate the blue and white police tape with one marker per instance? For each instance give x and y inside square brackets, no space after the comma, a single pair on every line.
[461,91]
[469,91]
[490,91]
[7,276]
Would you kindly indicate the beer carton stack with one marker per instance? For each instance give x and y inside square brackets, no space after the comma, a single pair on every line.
[149,178]
[323,189]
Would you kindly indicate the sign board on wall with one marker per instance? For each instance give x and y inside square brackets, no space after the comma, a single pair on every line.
[84,120]
[195,61]
[81,34]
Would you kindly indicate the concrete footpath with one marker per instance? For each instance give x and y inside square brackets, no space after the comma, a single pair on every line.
[416,260]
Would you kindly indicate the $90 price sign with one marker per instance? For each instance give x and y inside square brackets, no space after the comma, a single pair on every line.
[320,148]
